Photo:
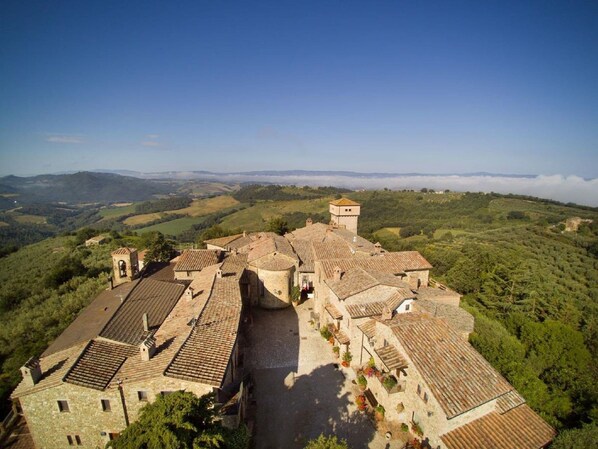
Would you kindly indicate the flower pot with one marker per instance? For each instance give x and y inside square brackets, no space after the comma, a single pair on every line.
[345,364]
[379,416]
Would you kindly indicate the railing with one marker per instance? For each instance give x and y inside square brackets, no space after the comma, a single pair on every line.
[7,424]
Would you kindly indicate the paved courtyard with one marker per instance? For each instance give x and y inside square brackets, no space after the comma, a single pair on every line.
[283,346]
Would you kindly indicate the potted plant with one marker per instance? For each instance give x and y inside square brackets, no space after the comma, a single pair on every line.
[360,401]
[362,382]
[404,427]
[347,357]
[380,412]
[325,333]
[295,295]
[336,351]
[389,382]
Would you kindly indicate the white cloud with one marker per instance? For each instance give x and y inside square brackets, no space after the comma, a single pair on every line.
[150,143]
[152,136]
[556,187]
[65,138]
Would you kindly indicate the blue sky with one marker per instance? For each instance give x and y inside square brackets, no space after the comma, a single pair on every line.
[386,86]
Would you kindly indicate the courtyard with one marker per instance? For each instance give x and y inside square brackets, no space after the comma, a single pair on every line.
[300,390]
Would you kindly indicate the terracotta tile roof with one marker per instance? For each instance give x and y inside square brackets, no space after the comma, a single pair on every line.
[339,335]
[456,317]
[457,375]
[391,357]
[172,333]
[519,428]
[223,242]
[364,310]
[161,271]
[331,249]
[352,282]
[278,262]
[432,294]
[197,259]
[508,401]
[368,328]
[333,311]
[314,232]
[156,298]
[234,264]
[344,202]
[98,363]
[241,242]
[303,249]
[270,244]
[123,251]
[54,366]
[393,263]
[354,241]
[205,355]
[92,319]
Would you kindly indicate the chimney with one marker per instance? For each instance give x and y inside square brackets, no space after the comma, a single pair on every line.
[189,292]
[110,283]
[386,313]
[244,233]
[308,222]
[378,248]
[145,323]
[219,274]
[147,348]
[337,274]
[235,251]
[31,371]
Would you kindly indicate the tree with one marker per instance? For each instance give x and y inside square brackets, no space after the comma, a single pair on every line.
[180,420]
[278,225]
[585,437]
[329,442]
[158,249]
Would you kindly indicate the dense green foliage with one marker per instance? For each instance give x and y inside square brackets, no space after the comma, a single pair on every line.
[163,204]
[278,226]
[180,420]
[256,192]
[327,442]
[584,438]
[35,307]
[158,248]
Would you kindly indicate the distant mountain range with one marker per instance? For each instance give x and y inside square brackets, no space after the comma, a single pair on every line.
[203,174]
[81,187]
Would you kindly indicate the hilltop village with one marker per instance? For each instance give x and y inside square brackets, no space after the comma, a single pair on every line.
[175,326]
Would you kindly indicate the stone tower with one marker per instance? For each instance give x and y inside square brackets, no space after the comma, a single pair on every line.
[344,213]
[125,265]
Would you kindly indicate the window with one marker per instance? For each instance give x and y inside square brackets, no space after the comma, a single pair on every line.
[78,440]
[106,405]
[142,395]
[407,307]
[419,389]
[426,398]
[63,406]
[69,439]
[122,268]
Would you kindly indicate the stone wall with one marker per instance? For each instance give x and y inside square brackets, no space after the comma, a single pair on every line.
[276,292]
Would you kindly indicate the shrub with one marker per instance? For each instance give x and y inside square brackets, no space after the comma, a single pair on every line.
[347,357]
[361,380]
[336,349]
[325,333]
[380,409]
[389,382]
[404,427]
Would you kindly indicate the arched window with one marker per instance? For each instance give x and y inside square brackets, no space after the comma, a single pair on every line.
[122,268]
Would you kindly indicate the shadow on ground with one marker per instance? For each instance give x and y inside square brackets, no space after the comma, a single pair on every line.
[292,409]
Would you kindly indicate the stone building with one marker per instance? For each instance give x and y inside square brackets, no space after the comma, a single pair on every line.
[141,339]
[125,265]
[345,213]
